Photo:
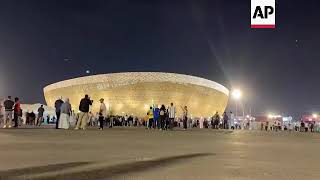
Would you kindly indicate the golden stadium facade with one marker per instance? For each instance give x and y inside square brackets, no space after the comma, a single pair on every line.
[133,93]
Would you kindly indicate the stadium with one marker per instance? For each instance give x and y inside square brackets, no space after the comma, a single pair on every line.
[133,93]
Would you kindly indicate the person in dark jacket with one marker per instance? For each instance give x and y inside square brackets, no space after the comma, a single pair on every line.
[8,106]
[16,112]
[57,105]
[216,120]
[225,120]
[40,116]
[162,117]
[84,108]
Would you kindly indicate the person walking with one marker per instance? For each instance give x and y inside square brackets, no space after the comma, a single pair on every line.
[57,105]
[232,126]
[266,127]
[8,106]
[40,116]
[1,111]
[216,120]
[172,115]
[150,115]
[156,115]
[84,107]
[16,112]
[102,113]
[201,123]
[225,120]
[162,117]
[185,117]
[66,111]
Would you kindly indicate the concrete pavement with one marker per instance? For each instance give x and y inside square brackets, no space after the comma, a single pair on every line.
[136,153]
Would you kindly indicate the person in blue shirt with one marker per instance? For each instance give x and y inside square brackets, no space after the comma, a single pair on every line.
[156,115]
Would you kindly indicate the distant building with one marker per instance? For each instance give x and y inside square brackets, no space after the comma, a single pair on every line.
[134,92]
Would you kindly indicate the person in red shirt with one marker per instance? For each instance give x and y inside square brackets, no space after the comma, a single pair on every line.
[16,112]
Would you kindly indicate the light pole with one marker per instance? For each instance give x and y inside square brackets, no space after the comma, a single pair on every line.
[236,94]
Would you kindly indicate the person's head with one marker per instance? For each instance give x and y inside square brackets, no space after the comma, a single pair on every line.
[162,106]
[171,104]
[86,96]
[230,112]
[9,97]
[66,100]
[16,99]
[150,107]
[224,113]
[41,106]
[185,107]
[101,100]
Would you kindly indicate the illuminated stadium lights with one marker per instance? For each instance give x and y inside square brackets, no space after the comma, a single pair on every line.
[314,115]
[236,94]
[271,116]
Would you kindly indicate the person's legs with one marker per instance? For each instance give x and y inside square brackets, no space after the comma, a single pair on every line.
[156,123]
[5,119]
[15,117]
[36,121]
[9,118]
[80,117]
[185,123]
[171,123]
[167,123]
[111,123]
[101,121]
[162,123]
[57,121]
[84,121]
[150,123]
[159,123]
[40,121]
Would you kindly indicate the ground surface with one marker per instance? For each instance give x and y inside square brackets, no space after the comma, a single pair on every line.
[136,153]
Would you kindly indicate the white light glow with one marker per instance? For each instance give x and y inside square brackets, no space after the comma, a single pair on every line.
[236,94]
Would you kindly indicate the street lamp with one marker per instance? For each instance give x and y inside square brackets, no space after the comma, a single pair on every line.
[237,94]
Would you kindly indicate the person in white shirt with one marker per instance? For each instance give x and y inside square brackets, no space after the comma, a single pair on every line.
[201,122]
[102,113]
[232,121]
[172,115]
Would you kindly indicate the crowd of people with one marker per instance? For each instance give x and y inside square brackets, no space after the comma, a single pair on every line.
[296,126]
[12,112]
[157,117]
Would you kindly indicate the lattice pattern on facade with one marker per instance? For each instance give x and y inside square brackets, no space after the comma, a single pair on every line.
[113,80]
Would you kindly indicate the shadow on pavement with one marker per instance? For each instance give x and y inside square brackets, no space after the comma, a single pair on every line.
[39,169]
[99,172]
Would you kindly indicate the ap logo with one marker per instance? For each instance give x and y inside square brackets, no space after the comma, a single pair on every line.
[263,14]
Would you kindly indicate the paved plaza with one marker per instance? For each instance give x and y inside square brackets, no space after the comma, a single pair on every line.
[136,153]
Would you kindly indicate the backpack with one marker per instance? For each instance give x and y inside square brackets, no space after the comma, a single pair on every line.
[162,113]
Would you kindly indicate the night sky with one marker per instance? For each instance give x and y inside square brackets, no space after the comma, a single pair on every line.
[45,41]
